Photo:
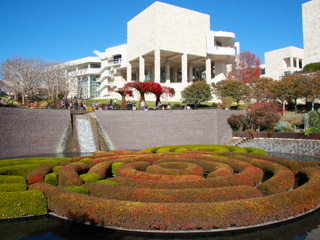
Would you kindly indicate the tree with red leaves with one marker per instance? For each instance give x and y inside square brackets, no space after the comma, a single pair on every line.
[141,87]
[246,67]
[149,87]
[263,116]
[124,92]
[163,91]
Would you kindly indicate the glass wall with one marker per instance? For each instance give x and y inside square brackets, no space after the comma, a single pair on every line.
[94,88]
[83,87]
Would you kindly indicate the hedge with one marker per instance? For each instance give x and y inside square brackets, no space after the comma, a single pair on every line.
[207,148]
[178,190]
[13,187]
[90,177]
[172,195]
[78,189]
[38,174]
[185,216]
[17,204]
[68,175]
[51,178]
[311,67]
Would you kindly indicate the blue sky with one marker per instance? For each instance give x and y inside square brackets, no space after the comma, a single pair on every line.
[64,30]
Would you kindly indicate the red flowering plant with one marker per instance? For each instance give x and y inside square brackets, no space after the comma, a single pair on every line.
[168,91]
[150,87]
[124,92]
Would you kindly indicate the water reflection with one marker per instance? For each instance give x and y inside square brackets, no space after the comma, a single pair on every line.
[48,227]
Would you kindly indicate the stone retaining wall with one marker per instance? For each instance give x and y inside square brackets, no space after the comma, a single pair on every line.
[135,130]
[293,146]
[25,132]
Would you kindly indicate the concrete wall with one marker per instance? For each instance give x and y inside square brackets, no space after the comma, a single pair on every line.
[311,32]
[25,132]
[167,27]
[135,130]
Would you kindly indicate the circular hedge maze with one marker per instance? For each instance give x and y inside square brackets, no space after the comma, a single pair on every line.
[177,188]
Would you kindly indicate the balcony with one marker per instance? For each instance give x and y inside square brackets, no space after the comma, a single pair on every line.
[223,51]
[104,85]
[104,75]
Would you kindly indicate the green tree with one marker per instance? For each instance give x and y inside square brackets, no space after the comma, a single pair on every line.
[196,93]
[235,89]
[260,89]
[310,87]
[282,92]
[293,84]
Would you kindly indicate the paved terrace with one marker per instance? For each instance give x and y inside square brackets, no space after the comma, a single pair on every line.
[25,132]
[135,130]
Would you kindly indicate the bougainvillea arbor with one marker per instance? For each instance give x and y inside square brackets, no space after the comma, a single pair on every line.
[124,93]
[149,87]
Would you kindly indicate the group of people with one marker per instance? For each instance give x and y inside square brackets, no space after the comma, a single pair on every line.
[133,106]
[74,104]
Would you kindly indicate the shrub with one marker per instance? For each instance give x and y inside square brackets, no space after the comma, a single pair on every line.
[24,166]
[17,204]
[237,122]
[90,177]
[314,119]
[115,166]
[38,174]
[68,175]
[51,178]
[172,195]
[108,182]
[77,189]
[311,67]
[282,126]
[263,116]
[13,187]
[56,169]
[12,179]
[227,102]
[85,160]
[256,151]
[18,170]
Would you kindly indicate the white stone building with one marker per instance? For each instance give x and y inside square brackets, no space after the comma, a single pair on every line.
[311,31]
[166,44]
[284,61]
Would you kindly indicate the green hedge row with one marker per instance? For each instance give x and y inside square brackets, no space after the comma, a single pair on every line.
[23,167]
[17,204]
[206,148]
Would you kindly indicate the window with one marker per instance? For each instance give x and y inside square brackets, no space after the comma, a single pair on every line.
[219,44]
[117,59]
[94,88]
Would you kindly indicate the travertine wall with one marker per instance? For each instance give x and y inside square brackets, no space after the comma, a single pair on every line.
[25,132]
[275,64]
[135,130]
[311,31]
[167,27]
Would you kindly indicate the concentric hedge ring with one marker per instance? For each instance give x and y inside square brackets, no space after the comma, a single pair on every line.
[169,192]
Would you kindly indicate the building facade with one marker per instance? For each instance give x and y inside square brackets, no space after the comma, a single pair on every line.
[311,31]
[166,44]
[284,61]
